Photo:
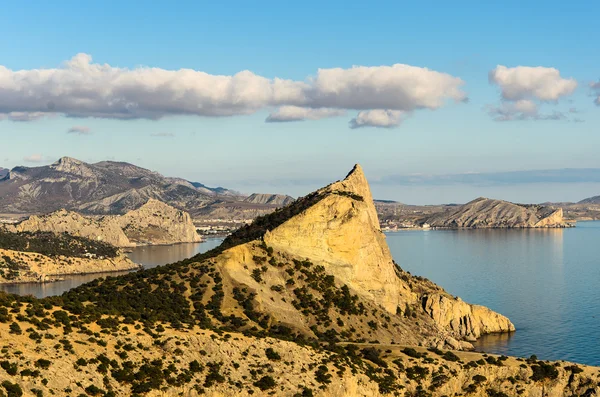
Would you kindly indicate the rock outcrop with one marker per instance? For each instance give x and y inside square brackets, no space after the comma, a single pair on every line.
[467,321]
[158,223]
[489,213]
[340,230]
[153,223]
[63,221]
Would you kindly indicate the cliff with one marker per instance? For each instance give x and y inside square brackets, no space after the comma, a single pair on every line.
[63,221]
[158,223]
[489,213]
[152,223]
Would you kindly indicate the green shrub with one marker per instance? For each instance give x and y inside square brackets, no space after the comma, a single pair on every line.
[265,383]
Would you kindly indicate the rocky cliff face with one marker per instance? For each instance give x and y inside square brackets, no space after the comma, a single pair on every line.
[488,213]
[341,232]
[63,221]
[153,223]
[158,223]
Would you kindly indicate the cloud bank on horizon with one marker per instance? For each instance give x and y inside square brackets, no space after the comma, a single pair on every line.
[382,96]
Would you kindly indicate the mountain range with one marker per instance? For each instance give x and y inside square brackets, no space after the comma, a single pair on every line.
[110,187]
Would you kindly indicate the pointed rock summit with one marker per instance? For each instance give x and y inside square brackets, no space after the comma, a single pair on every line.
[342,231]
[337,227]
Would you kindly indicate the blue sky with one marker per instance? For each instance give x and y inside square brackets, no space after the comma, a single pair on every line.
[546,127]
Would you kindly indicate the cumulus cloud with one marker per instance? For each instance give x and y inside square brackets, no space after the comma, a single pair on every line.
[378,118]
[163,135]
[524,89]
[297,113]
[34,158]
[596,92]
[80,88]
[79,130]
[524,82]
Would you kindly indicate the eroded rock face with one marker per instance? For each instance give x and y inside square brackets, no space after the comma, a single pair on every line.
[153,223]
[63,221]
[158,223]
[465,320]
[342,231]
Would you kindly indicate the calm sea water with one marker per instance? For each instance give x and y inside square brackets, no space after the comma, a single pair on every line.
[546,281]
[150,256]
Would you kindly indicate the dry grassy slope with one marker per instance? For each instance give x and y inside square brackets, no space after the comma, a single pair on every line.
[92,360]
[34,267]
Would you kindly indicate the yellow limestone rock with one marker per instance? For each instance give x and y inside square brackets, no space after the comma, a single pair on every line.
[342,232]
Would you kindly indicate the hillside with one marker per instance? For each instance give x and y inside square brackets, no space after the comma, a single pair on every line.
[42,256]
[270,199]
[590,200]
[153,223]
[489,213]
[306,301]
[3,172]
[106,187]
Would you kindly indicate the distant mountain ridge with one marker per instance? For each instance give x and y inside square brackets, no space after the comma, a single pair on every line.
[590,200]
[489,213]
[270,199]
[3,172]
[106,187]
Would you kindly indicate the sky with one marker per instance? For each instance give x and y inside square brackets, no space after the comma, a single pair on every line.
[284,97]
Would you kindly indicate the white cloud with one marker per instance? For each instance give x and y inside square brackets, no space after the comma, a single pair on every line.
[79,130]
[378,118]
[596,92]
[34,158]
[524,89]
[524,82]
[297,113]
[80,88]
[163,135]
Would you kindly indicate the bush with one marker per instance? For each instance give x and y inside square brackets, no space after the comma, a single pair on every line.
[272,354]
[12,389]
[265,383]
[43,363]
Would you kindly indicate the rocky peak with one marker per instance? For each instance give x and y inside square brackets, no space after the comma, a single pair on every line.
[73,166]
[342,231]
